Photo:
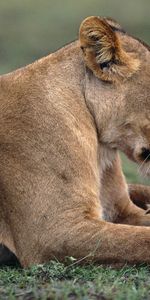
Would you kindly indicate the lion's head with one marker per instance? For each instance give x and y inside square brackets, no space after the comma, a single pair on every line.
[120,87]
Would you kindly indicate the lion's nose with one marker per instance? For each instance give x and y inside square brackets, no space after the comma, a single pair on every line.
[145,154]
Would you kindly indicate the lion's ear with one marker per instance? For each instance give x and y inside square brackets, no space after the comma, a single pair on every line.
[103,52]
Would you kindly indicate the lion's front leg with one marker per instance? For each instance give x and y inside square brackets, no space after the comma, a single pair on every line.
[140,195]
[115,199]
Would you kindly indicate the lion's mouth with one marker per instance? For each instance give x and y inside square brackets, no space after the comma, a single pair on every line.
[145,155]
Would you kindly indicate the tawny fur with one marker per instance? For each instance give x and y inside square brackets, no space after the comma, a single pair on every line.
[101,44]
[62,121]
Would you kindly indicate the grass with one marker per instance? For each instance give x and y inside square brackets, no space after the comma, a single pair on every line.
[58,281]
[72,281]
[131,171]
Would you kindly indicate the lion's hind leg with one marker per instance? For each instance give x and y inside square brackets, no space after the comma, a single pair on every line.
[99,241]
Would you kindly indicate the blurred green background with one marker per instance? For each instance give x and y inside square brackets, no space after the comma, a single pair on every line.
[31,29]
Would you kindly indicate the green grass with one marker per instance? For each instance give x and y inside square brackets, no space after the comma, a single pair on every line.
[56,281]
[131,171]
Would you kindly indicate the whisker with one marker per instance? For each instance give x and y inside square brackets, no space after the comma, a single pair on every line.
[147,170]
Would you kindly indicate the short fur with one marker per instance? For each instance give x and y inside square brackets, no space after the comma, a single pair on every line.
[62,121]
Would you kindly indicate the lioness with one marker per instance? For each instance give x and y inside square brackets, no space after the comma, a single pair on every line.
[62,121]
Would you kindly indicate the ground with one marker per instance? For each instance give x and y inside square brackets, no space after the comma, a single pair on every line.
[56,281]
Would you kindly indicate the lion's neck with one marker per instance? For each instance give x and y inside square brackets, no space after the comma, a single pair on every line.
[106,104]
